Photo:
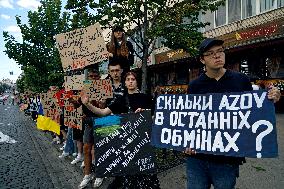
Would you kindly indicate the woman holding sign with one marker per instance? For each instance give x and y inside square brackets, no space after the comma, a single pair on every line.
[87,134]
[133,101]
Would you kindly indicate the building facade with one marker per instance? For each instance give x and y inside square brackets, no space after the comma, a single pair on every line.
[254,42]
[253,31]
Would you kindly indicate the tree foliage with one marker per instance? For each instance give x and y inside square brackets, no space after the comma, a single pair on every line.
[37,53]
[177,21]
[4,87]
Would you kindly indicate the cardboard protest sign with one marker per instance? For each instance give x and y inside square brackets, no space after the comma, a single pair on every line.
[50,107]
[74,82]
[122,145]
[98,89]
[81,47]
[72,116]
[232,124]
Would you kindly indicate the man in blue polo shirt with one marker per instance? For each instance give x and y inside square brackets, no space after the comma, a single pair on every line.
[203,169]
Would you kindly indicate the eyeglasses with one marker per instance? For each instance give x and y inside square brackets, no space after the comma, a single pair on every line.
[214,53]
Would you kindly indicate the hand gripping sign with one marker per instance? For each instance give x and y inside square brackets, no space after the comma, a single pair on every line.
[72,116]
[231,124]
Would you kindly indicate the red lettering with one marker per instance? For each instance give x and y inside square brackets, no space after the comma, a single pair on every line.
[260,32]
[77,64]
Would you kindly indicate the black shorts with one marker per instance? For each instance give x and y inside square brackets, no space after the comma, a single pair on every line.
[88,136]
[62,126]
[78,134]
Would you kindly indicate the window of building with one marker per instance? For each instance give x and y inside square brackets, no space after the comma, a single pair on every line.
[266,5]
[220,16]
[234,10]
[244,67]
[248,8]
[208,17]
[280,3]
[159,42]
[274,67]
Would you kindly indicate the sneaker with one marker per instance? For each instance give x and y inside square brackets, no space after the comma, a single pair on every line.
[98,182]
[86,180]
[74,154]
[77,159]
[63,155]
[54,140]
[62,148]
[82,165]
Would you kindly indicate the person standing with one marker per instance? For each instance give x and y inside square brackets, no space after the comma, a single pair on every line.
[115,72]
[13,99]
[131,101]
[60,102]
[120,48]
[33,107]
[88,136]
[206,169]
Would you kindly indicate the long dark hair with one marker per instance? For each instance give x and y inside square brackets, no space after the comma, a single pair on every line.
[112,46]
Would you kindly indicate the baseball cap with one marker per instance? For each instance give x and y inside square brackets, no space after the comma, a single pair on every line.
[208,43]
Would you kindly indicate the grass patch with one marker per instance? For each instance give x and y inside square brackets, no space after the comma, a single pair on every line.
[258,168]
[105,131]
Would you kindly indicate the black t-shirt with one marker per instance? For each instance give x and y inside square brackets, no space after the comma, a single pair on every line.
[131,102]
[85,110]
[117,93]
[230,82]
[87,115]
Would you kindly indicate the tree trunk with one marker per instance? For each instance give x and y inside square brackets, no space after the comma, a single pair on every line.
[145,49]
[144,71]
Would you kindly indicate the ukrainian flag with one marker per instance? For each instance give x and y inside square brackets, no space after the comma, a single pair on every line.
[47,124]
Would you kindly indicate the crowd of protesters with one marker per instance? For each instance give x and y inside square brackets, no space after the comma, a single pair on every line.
[202,170]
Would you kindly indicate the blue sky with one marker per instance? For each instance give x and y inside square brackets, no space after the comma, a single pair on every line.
[8,10]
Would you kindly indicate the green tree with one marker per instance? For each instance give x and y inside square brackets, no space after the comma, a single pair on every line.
[81,16]
[37,53]
[4,87]
[20,83]
[177,21]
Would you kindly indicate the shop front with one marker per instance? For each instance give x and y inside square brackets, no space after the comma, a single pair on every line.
[172,72]
[258,51]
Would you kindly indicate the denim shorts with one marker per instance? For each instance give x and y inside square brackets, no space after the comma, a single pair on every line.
[202,173]
[88,136]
